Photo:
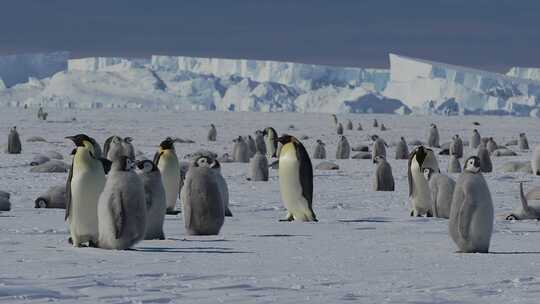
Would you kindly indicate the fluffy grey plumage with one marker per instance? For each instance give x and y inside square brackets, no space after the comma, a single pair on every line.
[523,143]
[456,146]
[475,139]
[485,160]
[320,151]
[402,150]
[14,142]
[156,202]
[384,180]
[453,165]
[212,133]
[379,147]
[491,145]
[442,190]
[339,129]
[349,125]
[375,123]
[258,167]
[259,142]
[343,148]
[55,197]
[240,150]
[359,128]
[433,136]
[251,146]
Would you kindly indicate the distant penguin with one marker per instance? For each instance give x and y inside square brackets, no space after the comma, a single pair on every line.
[122,207]
[14,142]
[384,180]
[155,198]
[359,128]
[258,167]
[523,143]
[535,161]
[484,159]
[334,119]
[442,190]
[259,142]
[421,158]
[339,129]
[270,140]
[453,165]
[212,133]
[491,145]
[526,211]
[375,123]
[169,166]
[471,216]
[379,147]
[343,148]
[433,137]
[40,114]
[251,146]
[402,150]
[320,151]
[475,139]
[383,127]
[349,125]
[456,146]
[296,180]
[84,185]
[240,150]
[55,197]
[202,201]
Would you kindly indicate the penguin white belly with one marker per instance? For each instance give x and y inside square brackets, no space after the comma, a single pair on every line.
[170,172]
[85,188]
[421,199]
[291,189]
[270,149]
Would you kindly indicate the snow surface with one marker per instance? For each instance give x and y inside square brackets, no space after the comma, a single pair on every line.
[364,249]
[15,69]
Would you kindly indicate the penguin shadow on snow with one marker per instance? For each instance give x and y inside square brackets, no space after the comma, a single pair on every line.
[210,249]
[367,220]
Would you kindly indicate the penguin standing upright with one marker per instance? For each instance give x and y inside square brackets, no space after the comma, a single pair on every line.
[84,185]
[421,158]
[343,148]
[483,157]
[319,151]
[251,146]
[334,119]
[296,180]
[113,148]
[129,150]
[258,166]
[270,137]
[475,139]
[384,180]
[402,150]
[383,127]
[535,160]
[491,145]
[240,150]
[169,166]
[471,215]
[433,137]
[453,165]
[379,147]
[122,207]
[339,129]
[456,146]
[375,123]
[349,124]
[442,190]
[212,133]
[359,128]
[14,142]
[523,143]
[156,202]
[260,145]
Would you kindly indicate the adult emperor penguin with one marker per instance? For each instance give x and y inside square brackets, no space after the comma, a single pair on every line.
[384,180]
[475,139]
[535,161]
[526,211]
[339,129]
[523,143]
[156,202]
[169,166]
[349,124]
[421,158]
[453,165]
[471,215]
[14,142]
[433,136]
[484,158]
[375,123]
[343,148]
[320,150]
[402,150]
[260,145]
[379,147]
[334,119]
[122,207]
[270,140]
[212,133]
[456,146]
[442,190]
[84,185]
[296,180]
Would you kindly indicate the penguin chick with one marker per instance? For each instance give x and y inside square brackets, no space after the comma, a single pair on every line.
[384,180]
[156,202]
[442,190]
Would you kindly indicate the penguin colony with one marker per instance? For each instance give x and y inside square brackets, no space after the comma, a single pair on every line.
[109,205]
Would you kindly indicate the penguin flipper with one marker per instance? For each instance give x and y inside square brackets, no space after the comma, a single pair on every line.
[306,175]
[107,164]
[157,157]
[107,145]
[117,210]
[465,216]
[68,192]
[409,174]
[228,212]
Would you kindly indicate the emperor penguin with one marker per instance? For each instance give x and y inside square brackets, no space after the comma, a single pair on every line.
[258,167]
[296,180]
[202,199]
[156,202]
[375,123]
[442,190]
[453,165]
[270,140]
[379,147]
[526,211]
[129,150]
[334,119]
[169,166]
[339,129]
[471,215]
[383,127]
[84,185]
[251,146]
[523,143]
[535,161]
[14,142]
[359,128]
[475,139]
[402,150]
[122,207]
[484,159]
[456,146]
[320,150]
[212,133]
[433,136]
[259,142]
[343,148]
[491,145]
[384,180]
[420,159]
[240,150]
[349,124]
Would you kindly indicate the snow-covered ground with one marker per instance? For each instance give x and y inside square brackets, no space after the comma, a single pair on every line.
[365,248]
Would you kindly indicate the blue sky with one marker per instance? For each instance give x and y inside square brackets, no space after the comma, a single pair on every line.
[493,35]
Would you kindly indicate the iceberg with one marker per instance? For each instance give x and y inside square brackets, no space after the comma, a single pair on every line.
[16,69]
[94,64]
[525,73]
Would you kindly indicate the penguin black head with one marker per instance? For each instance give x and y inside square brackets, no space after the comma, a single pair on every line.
[472,164]
[167,144]
[521,134]
[320,142]
[402,138]
[146,166]
[379,158]
[212,125]
[420,155]
[475,131]
[128,139]
[285,139]
[204,162]
[124,163]
[374,137]
[79,139]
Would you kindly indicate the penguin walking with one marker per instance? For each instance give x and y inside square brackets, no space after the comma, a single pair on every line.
[320,150]
[421,158]
[296,180]
[523,143]
[251,146]
[202,199]
[169,166]
[453,165]
[349,124]
[485,161]
[84,185]
[471,216]
[402,150]
[258,167]
[240,150]
[343,148]
[433,137]
[442,190]
[259,142]
[339,129]
[456,146]
[270,140]
[384,180]
[475,139]
[122,207]
[491,145]
[14,142]
[155,198]
[212,133]
[379,147]
[535,161]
